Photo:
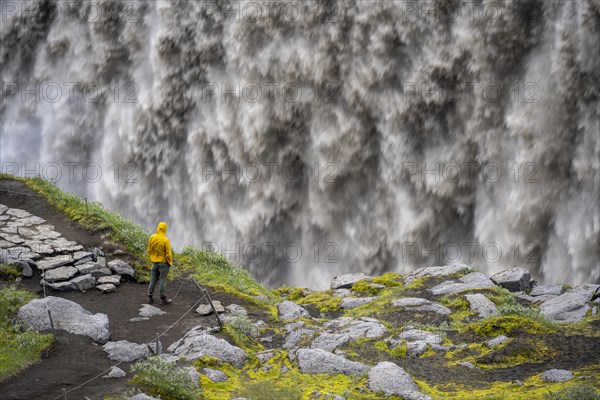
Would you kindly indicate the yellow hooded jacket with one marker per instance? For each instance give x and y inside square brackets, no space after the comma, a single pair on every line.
[159,246]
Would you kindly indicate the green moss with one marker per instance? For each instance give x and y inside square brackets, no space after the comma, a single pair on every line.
[378,307]
[418,283]
[506,325]
[399,351]
[577,391]
[469,353]
[9,273]
[289,293]
[256,382]
[428,353]
[533,388]
[459,306]
[242,331]
[455,301]
[207,362]
[366,288]
[514,353]
[499,295]
[587,327]
[529,313]
[324,301]
[381,345]
[389,279]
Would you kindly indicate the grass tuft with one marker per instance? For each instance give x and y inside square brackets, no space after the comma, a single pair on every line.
[163,379]
[9,272]
[19,347]
[575,392]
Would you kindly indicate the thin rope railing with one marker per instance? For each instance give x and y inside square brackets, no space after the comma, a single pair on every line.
[120,362]
[205,295]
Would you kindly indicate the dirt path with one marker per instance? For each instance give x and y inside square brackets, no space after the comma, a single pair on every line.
[27,199]
[73,359]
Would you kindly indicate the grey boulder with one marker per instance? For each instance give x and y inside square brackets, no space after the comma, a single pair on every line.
[236,309]
[342,293]
[120,267]
[586,290]
[83,282]
[142,396]
[568,307]
[101,272]
[60,286]
[557,375]
[60,274]
[353,302]
[413,335]
[347,280]
[472,281]
[111,279]
[410,302]
[214,374]
[149,311]
[497,341]
[125,351]
[344,329]
[289,311]
[555,290]
[197,343]
[317,361]
[483,306]
[514,279]
[106,288]
[48,263]
[87,267]
[329,341]
[446,270]
[206,309]
[66,315]
[82,256]
[420,304]
[115,373]
[295,333]
[390,379]
[416,340]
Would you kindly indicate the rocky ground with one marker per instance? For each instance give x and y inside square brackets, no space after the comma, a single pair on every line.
[439,332]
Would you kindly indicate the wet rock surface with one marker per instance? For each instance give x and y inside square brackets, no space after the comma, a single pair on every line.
[64,265]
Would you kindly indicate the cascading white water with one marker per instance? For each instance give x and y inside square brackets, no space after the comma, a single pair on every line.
[321,137]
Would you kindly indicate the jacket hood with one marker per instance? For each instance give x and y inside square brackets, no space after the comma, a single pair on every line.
[162,227]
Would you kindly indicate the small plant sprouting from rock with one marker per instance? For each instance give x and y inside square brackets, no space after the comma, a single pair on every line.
[163,379]
[9,272]
[240,328]
[526,312]
[575,392]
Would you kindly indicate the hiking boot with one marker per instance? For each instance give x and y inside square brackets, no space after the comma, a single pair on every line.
[150,299]
[164,301]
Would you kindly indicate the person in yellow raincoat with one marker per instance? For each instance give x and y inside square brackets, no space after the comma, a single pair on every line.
[159,250]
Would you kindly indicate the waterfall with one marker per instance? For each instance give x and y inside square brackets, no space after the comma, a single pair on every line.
[309,138]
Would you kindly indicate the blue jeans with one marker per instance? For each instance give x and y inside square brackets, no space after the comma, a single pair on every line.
[159,273]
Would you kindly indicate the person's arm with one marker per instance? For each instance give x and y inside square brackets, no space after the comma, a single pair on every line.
[168,252]
[149,241]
